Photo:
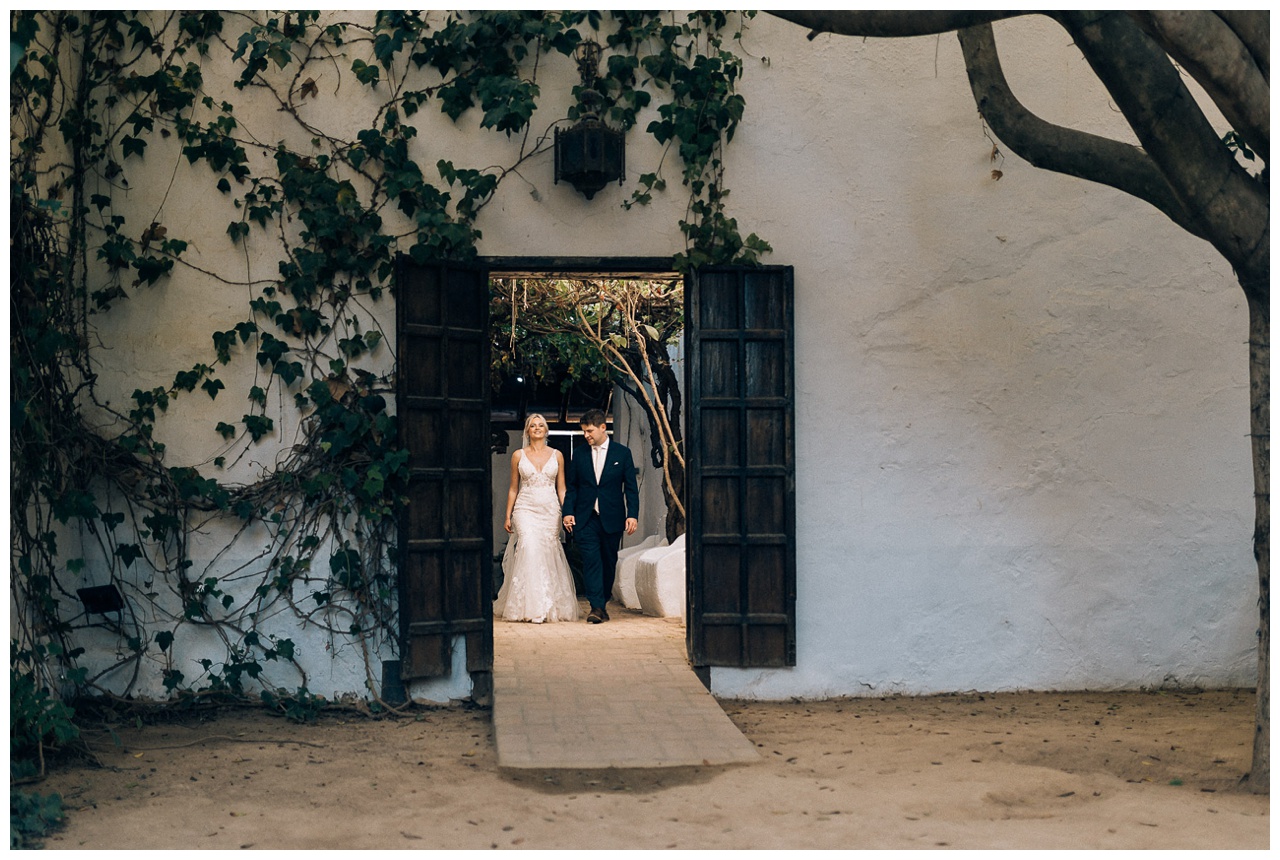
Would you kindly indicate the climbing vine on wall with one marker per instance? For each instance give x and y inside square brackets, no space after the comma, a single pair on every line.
[109,108]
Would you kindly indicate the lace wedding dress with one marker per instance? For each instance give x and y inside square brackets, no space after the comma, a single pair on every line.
[537,584]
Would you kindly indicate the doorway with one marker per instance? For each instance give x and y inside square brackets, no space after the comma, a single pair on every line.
[565,343]
[739,414]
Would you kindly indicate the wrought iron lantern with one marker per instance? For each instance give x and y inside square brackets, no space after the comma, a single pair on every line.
[589,155]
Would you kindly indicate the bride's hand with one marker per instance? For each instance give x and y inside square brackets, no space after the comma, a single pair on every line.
[507,525]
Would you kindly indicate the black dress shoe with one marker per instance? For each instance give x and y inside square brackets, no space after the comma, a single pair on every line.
[595,616]
[604,613]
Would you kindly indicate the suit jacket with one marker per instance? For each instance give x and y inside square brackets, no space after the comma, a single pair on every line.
[617,492]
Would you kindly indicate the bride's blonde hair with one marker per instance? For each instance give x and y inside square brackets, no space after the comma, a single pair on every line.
[524,438]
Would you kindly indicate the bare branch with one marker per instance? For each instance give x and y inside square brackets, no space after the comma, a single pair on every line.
[1253,28]
[890,24]
[1053,147]
[1213,54]
[1230,208]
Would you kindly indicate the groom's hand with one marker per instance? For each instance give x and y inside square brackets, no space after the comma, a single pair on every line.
[569,523]
[632,525]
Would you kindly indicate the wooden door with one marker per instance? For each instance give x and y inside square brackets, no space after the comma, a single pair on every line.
[741,477]
[446,539]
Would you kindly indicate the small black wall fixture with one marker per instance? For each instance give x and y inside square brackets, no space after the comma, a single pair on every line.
[589,155]
[100,599]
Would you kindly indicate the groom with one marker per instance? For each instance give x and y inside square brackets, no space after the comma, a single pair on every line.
[600,504]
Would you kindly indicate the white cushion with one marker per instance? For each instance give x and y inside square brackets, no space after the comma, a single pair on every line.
[660,581]
[624,581]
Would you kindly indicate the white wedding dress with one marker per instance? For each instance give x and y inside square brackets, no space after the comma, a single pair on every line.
[537,584]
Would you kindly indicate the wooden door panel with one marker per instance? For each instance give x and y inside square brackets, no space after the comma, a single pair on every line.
[421,364]
[459,439]
[766,437]
[466,364]
[721,515]
[765,369]
[720,369]
[720,442]
[722,579]
[767,504]
[765,298]
[766,578]
[741,476]
[425,585]
[424,514]
[443,408]
[718,304]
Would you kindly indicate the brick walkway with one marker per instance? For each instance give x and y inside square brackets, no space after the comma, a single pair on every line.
[618,694]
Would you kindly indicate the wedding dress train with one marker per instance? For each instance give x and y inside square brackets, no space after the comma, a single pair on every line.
[537,584]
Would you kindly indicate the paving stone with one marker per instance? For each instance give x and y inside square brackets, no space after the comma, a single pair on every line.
[618,694]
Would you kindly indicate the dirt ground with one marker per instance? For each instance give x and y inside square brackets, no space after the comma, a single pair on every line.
[1026,771]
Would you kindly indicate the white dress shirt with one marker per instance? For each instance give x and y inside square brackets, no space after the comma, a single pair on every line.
[598,454]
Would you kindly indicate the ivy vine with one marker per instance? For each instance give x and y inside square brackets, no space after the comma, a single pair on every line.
[97,100]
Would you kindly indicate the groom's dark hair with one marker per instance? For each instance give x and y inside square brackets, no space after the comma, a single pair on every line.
[593,418]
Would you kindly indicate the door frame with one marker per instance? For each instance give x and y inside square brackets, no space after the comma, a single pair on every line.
[603,267]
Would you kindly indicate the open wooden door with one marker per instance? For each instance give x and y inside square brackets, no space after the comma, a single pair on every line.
[740,543]
[446,540]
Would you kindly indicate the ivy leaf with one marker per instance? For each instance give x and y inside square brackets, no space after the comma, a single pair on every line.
[152,269]
[186,379]
[280,54]
[258,426]
[271,350]
[129,553]
[222,343]
[213,386]
[365,73]
[289,371]
[132,145]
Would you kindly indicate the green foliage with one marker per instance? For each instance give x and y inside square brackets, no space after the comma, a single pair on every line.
[32,817]
[300,706]
[530,339]
[336,212]
[37,720]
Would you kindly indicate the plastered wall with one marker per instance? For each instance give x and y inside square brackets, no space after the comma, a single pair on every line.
[1021,402]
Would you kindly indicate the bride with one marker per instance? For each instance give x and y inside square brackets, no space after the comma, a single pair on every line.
[537,584]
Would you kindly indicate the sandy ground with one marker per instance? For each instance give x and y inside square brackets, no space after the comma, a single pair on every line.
[1027,771]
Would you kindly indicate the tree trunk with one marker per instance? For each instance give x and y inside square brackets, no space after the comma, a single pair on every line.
[1259,778]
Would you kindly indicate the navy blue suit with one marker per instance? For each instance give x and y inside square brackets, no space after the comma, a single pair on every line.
[599,535]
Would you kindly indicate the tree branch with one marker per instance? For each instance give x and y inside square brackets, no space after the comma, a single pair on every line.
[890,24]
[1229,208]
[1203,44]
[1052,147]
[1253,28]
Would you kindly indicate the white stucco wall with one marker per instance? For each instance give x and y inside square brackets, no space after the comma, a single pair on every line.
[1021,404]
